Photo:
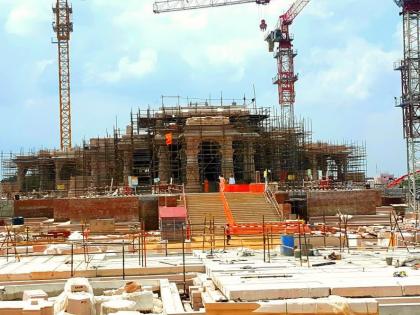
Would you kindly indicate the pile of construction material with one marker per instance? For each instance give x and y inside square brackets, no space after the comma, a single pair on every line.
[78,299]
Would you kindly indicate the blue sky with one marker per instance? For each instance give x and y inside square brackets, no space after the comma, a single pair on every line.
[123,56]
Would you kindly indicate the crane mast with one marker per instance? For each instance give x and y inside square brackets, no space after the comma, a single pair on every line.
[181,5]
[280,42]
[63,26]
[410,99]
[279,38]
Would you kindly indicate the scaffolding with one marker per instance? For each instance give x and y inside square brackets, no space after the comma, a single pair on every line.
[191,144]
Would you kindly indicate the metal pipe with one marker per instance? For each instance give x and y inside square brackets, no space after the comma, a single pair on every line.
[263,231]
[300,245]
[183,261]
[72,260]
[123,259]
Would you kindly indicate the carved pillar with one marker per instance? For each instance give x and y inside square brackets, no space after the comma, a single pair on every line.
[21,173]
[94,175]
[43,171]
[339,164]
[164,164]
[324,168]
[58,168]
[128,161]
[314,168]
[249,162]
[227,157]
[193,175]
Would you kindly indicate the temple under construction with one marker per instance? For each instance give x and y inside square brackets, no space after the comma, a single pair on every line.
[189,144]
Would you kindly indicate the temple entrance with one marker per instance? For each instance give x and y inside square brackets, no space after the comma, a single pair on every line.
[210,164]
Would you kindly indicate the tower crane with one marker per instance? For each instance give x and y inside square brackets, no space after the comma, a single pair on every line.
[63,26]
[284,53]
[286,78]
[162,6]
[410,99]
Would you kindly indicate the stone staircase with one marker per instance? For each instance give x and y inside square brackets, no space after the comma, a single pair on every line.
[251,207]
[207,205]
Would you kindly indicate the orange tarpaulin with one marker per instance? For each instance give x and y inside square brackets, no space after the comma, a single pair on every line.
[168,138]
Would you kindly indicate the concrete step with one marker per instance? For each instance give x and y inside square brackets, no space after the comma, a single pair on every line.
[251,207]
[205,205]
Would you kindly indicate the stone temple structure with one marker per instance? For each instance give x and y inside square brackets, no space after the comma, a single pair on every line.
[191,145]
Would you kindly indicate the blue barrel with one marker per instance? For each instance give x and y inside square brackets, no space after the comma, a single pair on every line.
[288,245]
[18,221]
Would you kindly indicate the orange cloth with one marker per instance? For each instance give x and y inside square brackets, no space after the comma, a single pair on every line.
[168,138]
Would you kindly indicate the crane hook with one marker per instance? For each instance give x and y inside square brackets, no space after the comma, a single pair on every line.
[263,25]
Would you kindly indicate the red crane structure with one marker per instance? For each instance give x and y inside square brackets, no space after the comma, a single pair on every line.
[284,53]
[286,77]
[410,99]
[63,26]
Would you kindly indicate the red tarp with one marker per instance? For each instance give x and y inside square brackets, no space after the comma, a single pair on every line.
[254,188]
[172,212]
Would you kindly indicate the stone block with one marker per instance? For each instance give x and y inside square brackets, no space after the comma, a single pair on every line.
[365,289]
[301,306]
[79,303]
[115,306]
[193,288]
[143,300]
[34,294]
[102,225]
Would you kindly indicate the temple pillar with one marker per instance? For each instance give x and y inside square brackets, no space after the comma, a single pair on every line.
[21,173]
[227,157]
[324,168]
[94,175]
[314,168]
[249,162]
[340,173]
[164,164]
[127,167]
[193,174]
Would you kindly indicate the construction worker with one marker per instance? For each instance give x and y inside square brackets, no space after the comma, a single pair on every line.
[222,183]
[266,179]
[206,185]
[228,235]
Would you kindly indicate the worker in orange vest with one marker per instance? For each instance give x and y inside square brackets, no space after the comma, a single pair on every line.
[206,185]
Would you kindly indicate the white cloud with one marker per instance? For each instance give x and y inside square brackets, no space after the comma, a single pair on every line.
[132,69]
[42,65]
[26,15]
[319,10]
[347,73]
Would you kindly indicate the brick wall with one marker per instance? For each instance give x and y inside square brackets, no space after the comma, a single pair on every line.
[120,209]
[350,202]
[149,212]
[34,208]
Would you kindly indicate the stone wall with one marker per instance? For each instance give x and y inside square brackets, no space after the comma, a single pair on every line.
[35,208]
[349,202]
[149,212]
[78,209]
[6,208]
[120,209]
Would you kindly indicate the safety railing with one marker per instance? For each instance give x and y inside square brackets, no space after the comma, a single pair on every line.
[226,208]
[269,195]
